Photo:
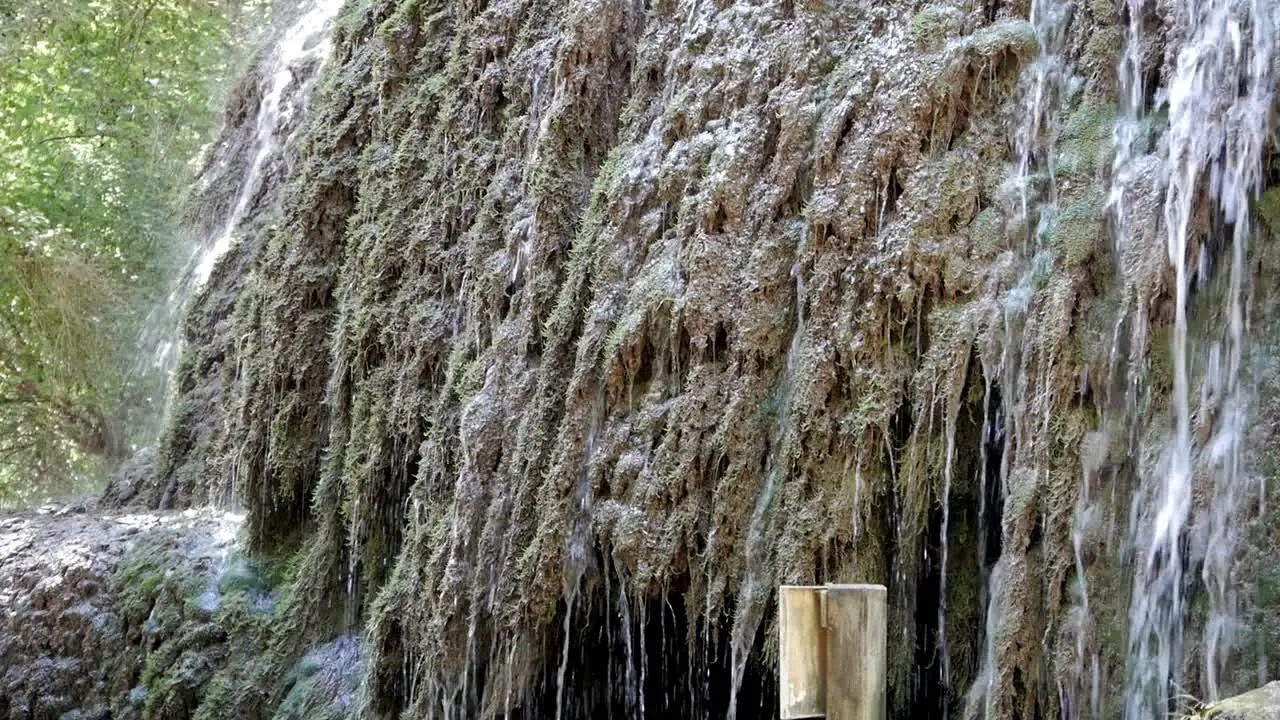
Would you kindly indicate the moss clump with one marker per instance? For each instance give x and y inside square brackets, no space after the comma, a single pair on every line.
[986,234]
[199,631]
[1098,63]
[1268,209]
[1077,229]
[1014,36]
[1160,365]
[934,24]
[142,575]
[1085,146]
[153,582]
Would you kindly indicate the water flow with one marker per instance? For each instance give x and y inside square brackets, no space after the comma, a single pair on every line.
[952,409]
[577,554]
[1237,176]
[1046,81]
[304,42]
[287,76]
[1128,129]
[1218,103]
[1045,84]
[759,571]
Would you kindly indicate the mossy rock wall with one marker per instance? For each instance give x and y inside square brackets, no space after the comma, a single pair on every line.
[606,318]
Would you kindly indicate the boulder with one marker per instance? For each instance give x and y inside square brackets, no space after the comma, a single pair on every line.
[1260,704]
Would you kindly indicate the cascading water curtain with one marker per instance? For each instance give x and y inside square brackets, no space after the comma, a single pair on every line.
[1218,101]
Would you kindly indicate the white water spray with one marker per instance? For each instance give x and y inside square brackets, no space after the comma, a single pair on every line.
[304,42]
[287,78]
[1218,99]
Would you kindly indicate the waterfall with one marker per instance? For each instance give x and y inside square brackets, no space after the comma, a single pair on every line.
[285,78]
[1218,102]
[1045,86]
[1192,148]
[305,41]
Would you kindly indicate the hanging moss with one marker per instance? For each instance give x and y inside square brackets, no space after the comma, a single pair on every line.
[1086,145]
[1076,231]
[580,314]
[933,24]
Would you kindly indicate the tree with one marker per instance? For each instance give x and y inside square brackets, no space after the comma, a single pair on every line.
[105,107]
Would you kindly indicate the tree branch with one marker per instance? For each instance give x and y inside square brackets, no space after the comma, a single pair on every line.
[74,136]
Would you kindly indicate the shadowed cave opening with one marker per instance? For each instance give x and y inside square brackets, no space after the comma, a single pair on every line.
[640,658]
[630,659]
[949,638]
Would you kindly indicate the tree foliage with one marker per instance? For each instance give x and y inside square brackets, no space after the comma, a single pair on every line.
[106,104]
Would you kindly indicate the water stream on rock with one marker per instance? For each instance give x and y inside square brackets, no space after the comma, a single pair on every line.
[1045,85]
[286,77]
[1217,102]
[752,599]
[1218,105]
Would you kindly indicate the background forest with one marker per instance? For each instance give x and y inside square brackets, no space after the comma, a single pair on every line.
[105,112]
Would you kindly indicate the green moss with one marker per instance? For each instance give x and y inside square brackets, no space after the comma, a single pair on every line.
[403,18]
[1160,368]
[1041,269]
[1015,36]
[1077,229]
[472,378]
[303,701]
[933,25]
[1085,145]
[351,18]
[143,575]
[241,689]
[1268,209]
[986,234]
[1104,10]
[584,250]
[1099,58]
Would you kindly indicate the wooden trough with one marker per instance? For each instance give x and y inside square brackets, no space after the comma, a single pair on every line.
[832,645]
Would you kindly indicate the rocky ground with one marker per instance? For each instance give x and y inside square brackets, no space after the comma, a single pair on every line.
[145,615]
[1260,704]
[66,617]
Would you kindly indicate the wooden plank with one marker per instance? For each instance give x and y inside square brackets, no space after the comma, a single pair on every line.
[802,652]
[857,641]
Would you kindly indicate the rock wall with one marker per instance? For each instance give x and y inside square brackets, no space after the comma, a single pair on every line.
[152,616]
[582,325]
[92,601]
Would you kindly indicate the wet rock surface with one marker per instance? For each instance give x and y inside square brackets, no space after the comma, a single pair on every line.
[1260,704]
[153,616]
[74,630]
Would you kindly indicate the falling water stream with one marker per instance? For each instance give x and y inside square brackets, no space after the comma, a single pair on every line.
[1045,84]
[286,77]
[304,42]
[1219,100]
